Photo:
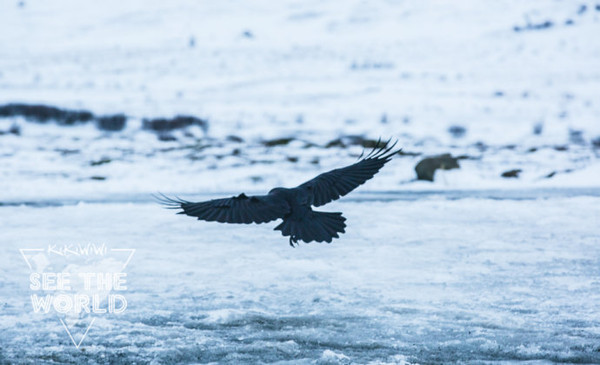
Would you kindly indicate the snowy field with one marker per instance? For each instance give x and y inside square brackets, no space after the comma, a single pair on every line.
[495,261]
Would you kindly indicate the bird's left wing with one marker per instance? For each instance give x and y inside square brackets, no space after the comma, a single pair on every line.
[237,209]
[331,185]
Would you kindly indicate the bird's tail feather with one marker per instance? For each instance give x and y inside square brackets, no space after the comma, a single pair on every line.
[315,226]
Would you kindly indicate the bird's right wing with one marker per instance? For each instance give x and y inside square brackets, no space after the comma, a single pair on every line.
[331,185]
[237,209]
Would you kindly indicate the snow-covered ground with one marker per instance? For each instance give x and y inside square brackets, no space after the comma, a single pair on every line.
[425,281]
[472,267]
[518,97]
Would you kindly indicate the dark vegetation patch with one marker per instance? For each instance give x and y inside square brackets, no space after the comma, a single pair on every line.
[102,161]
[66,151]
[534,26]
[511,173]
[553,173]
[166,137]
[457,131]
[426,167]
[277,142]
[177,122]
[347,141]
[112,123]
[43,113]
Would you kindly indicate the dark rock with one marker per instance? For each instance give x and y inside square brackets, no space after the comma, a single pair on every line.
[112,123]
[576,137]
[15,129]
[596,142]
[561,148]
[309,144]
[499,93]
[482,147]
[582,9]
[457,131]
[538,128]
[235,139]
[44,113]
[100,178]
[292,159]
[277,142]
[426,167]
[368,143]
[408,153]
[178,122]
[248,34]
[335,143]
[511,173]
[550,175]
[569,22]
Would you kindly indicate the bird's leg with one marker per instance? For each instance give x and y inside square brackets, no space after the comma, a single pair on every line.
[293,240]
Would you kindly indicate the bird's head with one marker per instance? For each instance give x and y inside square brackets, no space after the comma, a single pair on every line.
[276,190]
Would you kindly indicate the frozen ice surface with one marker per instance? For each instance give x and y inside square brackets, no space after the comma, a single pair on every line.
[431,280]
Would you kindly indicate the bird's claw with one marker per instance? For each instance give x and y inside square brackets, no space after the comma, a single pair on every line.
[292,241]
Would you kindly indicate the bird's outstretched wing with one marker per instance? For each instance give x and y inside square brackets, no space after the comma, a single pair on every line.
[237,209]
[331,185]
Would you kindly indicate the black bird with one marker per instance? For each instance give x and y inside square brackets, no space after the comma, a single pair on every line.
[293,205]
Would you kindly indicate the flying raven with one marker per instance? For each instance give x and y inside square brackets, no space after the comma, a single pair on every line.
[293,205]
